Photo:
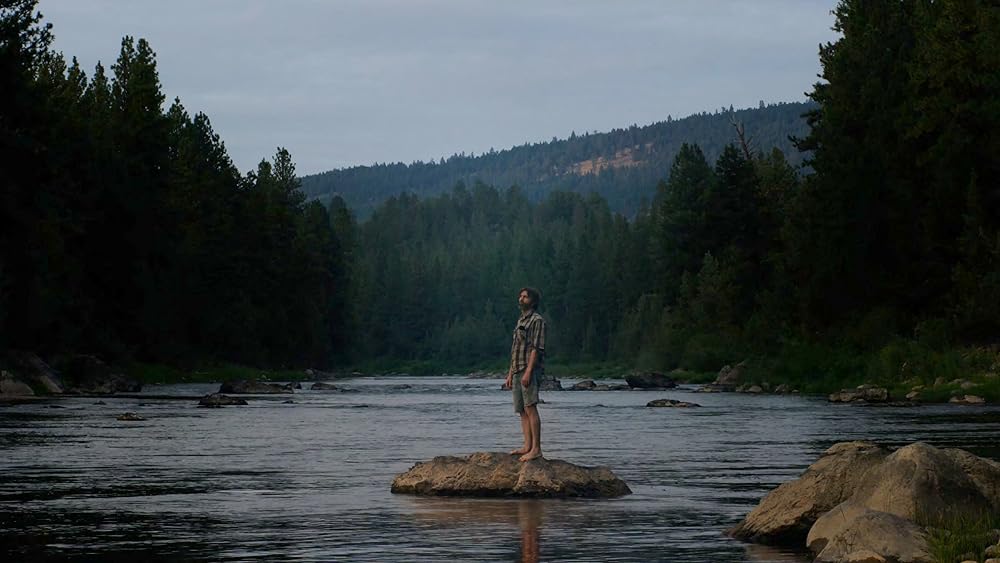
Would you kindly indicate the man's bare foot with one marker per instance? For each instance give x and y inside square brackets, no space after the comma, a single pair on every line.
[530,456]
[519,451]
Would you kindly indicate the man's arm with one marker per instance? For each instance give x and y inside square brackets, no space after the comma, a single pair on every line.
[536,347]
[532,360]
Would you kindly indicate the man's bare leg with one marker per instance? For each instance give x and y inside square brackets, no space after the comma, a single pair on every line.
[535,427]
[526,430]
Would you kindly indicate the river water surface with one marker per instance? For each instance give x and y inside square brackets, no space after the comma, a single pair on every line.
[309,480]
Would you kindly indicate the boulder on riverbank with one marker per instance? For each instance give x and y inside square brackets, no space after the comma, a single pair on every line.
[11,386]
[787,513]
[967,400]
[884,499]
[849,530]
[86,374]
[730,376]
[650,380]
[31,370]
[861,394]
[253,387]
[493,474]
[321,386]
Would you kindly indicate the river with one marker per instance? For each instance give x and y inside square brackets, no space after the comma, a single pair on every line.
[309,480]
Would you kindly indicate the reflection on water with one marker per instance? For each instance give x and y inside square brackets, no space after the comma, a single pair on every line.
[309,481]
[525,515]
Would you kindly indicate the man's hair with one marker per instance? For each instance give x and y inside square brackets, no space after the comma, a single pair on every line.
[534,295]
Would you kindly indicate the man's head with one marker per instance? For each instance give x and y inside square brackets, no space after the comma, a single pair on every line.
[529,298]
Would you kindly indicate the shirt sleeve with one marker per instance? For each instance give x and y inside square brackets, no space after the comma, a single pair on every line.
[536,335]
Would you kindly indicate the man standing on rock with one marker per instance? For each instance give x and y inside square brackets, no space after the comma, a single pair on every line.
[527,355]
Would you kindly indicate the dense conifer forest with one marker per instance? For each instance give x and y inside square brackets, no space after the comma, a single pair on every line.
[127,231]
[869,249]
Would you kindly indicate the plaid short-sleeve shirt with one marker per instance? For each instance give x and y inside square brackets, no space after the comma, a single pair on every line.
[528,334]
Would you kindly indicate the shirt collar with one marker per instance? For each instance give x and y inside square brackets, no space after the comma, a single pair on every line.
[526,314]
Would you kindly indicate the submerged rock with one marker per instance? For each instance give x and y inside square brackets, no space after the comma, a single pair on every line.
[130,417]
[493,474]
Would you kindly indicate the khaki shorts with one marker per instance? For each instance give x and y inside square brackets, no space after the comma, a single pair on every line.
[524,396]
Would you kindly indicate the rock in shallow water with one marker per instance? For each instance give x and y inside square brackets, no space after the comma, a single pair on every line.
[671,403]
[216,400]
[494,474]
[650,380]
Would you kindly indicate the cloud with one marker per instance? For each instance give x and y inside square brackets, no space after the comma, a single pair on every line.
[354,82]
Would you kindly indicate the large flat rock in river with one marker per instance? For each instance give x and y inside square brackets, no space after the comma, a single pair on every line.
[494,474]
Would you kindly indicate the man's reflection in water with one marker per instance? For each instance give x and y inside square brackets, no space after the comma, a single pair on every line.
[529,518]
[524,515]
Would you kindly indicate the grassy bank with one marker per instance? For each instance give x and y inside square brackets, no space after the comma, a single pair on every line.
[899,366]
[960,537]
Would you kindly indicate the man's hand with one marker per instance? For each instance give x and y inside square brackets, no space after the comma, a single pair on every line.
[509,381]
[526,378]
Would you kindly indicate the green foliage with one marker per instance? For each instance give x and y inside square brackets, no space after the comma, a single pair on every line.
[903,363]
[956,537]
[875,328]
[813,367]
[709,352]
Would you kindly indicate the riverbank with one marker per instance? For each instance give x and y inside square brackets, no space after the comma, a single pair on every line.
[903,367]
[160,374]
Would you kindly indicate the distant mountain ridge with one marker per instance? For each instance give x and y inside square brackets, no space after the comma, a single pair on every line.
[622,165]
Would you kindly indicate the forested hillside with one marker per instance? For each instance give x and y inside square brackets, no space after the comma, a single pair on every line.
[882,263]
[439,277]
[126,231]
[623,165]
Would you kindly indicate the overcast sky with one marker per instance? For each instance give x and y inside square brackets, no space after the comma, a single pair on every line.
[346,82]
